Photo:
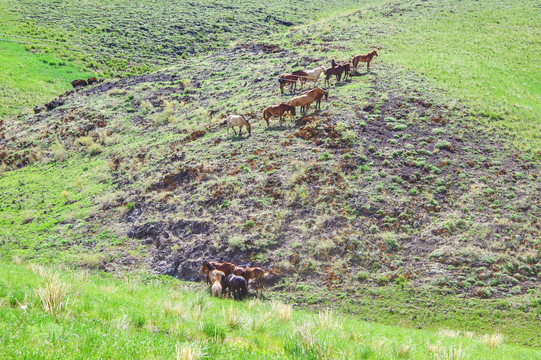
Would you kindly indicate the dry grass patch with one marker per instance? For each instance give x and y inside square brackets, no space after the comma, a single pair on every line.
[188,351]
[493,340]
[449,333]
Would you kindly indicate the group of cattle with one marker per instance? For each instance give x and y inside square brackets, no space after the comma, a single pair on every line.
[81,82]
[227,278]
[307,98]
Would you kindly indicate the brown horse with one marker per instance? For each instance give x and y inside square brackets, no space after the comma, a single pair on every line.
[364,58]
[318,94]
[291,79]
[337,70]
[256,273]
[237,285]
[208,267]
[278,110]
[239,271]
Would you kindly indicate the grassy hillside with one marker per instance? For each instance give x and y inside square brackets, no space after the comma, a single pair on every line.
[141,317]
[390,185]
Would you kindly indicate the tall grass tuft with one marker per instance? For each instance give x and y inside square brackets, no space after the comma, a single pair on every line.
[283,311]
[403,351]
[188,351]
[231,316]
[53,296]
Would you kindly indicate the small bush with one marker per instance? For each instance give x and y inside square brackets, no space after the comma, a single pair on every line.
[362,276]
[236,243]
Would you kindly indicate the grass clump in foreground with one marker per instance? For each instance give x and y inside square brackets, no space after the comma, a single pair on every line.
[163,318]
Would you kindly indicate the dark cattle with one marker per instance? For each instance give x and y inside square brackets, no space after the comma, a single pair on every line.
[92,80]
[78,83]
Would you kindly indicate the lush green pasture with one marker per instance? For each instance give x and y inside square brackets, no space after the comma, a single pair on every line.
[97,316]
[30,79]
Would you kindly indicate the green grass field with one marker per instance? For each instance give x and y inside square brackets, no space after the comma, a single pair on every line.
[89,315]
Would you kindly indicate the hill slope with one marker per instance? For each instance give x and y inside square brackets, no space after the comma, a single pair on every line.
[393,182]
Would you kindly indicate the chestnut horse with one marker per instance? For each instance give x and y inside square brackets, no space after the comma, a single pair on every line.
[256,273]
[277,110]
[364,58]
[291,79]
[304,101]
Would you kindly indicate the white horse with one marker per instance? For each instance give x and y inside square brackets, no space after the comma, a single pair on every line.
[313,75]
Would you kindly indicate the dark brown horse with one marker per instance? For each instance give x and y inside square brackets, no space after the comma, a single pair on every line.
[278,110]
[337,70]
[345,65]
[237,285]
[367,58]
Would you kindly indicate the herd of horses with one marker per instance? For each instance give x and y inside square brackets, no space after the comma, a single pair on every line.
[227,278]
[307,98]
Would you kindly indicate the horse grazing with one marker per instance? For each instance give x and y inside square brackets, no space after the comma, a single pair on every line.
[291,79]
[240,121]
[318,94]
[364,58]
[216,288]
[237,285]
[278,110]
[256,273]
[313,74]
[304,101]
[337,70]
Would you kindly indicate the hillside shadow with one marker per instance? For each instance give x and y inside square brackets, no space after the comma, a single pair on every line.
[236,138]
[356,73]
[277,128]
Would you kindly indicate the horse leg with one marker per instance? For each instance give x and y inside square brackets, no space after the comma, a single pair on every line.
[234,131]
[240,130]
